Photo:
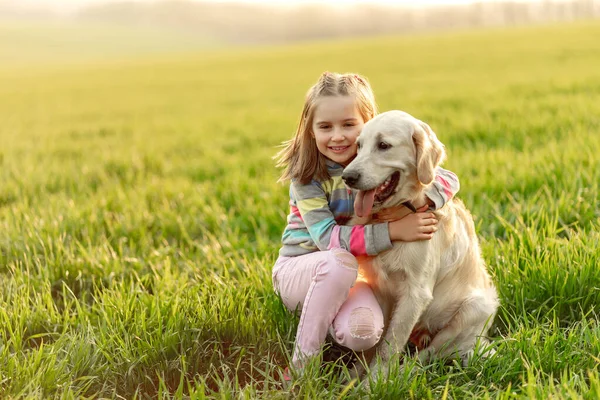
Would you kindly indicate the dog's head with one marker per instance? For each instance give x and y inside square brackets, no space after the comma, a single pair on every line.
[397,157]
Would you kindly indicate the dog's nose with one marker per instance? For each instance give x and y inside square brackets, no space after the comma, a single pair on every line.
[350,177]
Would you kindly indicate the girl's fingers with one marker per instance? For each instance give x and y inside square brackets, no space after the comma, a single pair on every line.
[428,229]
[425,236]
[429,221]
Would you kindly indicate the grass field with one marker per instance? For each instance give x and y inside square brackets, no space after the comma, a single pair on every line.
[140,218]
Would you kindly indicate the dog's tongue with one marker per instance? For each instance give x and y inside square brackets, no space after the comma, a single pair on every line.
[364,202]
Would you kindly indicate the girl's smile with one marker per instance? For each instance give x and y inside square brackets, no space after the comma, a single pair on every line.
[339,150]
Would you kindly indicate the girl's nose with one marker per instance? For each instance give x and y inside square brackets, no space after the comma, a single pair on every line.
[338,135]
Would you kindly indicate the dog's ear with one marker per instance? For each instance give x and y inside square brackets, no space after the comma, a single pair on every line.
[430,152]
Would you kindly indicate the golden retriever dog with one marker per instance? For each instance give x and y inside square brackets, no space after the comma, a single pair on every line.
[436,293]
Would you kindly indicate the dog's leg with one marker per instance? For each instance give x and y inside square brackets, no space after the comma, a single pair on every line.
[405,316]
[461,334]
[449,343]
[442,344]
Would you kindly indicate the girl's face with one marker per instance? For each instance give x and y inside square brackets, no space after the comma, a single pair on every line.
[336,125]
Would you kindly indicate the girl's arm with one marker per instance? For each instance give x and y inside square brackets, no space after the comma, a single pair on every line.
[312,206]
[444,188]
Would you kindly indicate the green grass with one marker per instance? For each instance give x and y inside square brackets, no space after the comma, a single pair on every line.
[140,218]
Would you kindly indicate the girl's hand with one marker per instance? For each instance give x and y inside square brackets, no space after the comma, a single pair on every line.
[417,226]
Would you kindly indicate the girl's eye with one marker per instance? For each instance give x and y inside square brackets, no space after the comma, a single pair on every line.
[384,146]
[348,124]
[324,127]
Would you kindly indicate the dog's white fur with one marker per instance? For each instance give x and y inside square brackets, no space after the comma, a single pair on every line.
[441,285]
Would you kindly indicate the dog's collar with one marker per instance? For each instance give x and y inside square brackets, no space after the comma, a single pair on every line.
[409,205]
[406,204]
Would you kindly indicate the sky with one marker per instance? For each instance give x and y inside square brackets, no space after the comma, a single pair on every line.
[72,5]
[34,2]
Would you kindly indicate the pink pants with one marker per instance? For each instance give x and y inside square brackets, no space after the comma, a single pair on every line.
[323,285]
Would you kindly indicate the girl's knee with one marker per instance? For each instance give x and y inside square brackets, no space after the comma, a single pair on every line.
[340,269]
[361,331]
[344,258]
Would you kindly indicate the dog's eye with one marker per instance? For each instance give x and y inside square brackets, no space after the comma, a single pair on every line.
[384,146]
[357,145]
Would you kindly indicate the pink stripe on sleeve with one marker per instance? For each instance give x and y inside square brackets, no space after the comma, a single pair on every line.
[357,240]
[446,186]
[296,212]
[334,241]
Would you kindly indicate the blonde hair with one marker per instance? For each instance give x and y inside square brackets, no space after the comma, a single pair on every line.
[300,157]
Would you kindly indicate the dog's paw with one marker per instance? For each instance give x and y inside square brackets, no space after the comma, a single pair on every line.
[466,357]
[425,356]
[483,351]
[377,371]
[357,371]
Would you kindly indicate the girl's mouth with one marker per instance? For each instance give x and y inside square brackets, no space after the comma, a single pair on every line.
[338,149]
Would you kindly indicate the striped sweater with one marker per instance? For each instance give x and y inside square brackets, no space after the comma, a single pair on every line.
[319,210]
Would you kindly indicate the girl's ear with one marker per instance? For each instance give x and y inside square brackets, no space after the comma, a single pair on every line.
[430,152]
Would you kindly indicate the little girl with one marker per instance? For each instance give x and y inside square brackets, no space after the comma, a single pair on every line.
[317,269]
